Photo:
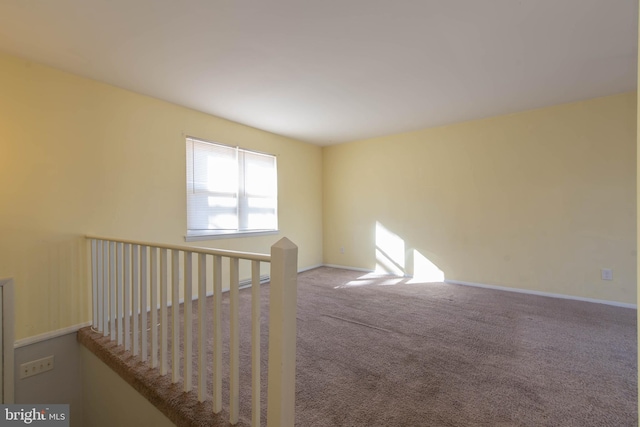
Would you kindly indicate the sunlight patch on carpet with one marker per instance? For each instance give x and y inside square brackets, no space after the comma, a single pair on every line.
[375,279]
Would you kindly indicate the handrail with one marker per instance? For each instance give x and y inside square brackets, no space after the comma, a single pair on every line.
[251,256]
[130,277]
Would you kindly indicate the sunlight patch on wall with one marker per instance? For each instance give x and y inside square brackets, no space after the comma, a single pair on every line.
[424,270]
[393,257]
[390,252]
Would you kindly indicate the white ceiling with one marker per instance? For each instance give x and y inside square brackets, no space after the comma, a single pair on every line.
[331,71]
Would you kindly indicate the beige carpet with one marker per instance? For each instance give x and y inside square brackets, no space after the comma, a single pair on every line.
[379,351]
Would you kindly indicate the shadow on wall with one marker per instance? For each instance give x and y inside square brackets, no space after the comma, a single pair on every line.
[393,257]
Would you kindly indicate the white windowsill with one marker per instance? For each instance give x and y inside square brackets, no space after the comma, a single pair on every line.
[214,235]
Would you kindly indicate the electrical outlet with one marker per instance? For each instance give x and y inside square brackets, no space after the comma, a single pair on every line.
[342,250]
[36,367]
[607,274]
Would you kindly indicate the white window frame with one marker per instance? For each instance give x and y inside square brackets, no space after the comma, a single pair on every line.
[242,198]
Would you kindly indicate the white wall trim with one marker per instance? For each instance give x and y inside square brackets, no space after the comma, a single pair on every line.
[543,294]
[507,289]
[345,267]
[49,335]
[310,268]
[8,340]
[234,235]
[74,328]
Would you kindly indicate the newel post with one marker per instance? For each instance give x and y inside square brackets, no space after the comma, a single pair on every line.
[282,334]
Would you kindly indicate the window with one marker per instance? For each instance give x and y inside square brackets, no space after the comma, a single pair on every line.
[230,190]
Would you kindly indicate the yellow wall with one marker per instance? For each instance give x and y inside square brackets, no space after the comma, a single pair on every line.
[80,157]
[540,200]
[638,198]
[108,400]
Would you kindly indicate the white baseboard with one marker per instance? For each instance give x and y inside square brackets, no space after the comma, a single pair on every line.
[505,288]
[543,294]
[49,335]
[346,267]
[74,328]
[310,268]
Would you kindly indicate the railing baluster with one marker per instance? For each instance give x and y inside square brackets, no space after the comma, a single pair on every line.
[188,322]
[234,342]
[153,304]
[143,301]
[255,343]
[100,285]
[164,348]
[127,296]
[105,288]
[217,334]
[119,291]
[202,327]
[175,316]
[122,271]
[94,284]
[112,288]
[135,274]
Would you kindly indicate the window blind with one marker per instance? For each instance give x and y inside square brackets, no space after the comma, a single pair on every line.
[229,189]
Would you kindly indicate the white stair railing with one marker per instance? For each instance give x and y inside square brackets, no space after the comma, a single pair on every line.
[125,272]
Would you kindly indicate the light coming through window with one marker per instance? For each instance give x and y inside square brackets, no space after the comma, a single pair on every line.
[230,190]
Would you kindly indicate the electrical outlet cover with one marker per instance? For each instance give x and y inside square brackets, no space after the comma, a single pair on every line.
[36,367]
[607,274]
